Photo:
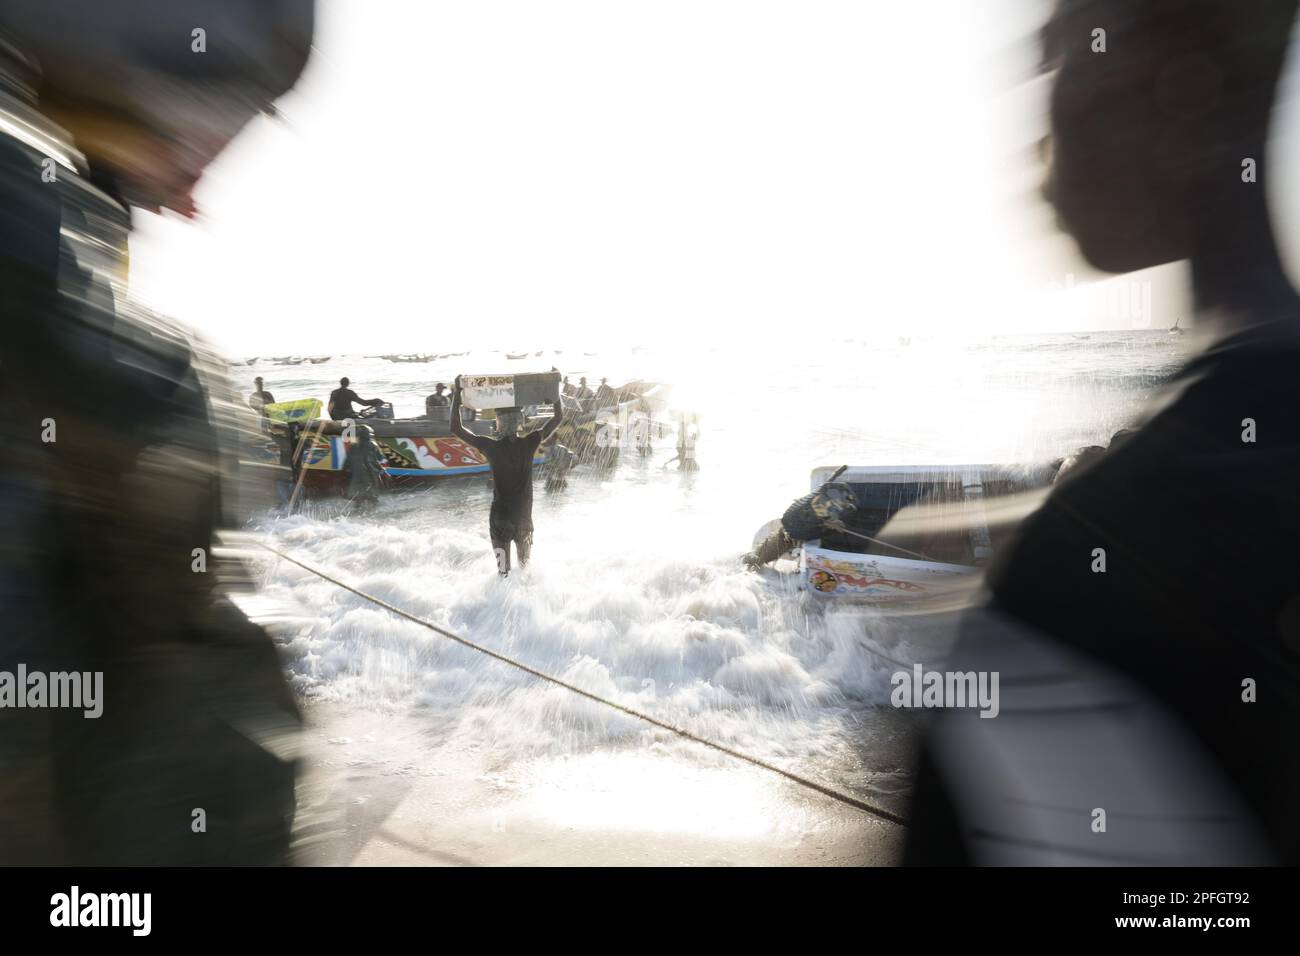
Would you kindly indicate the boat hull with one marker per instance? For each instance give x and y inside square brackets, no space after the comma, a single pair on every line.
[952,517]
[874,577]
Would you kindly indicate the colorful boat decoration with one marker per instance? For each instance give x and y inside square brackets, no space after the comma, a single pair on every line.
[301,410]
[414,449]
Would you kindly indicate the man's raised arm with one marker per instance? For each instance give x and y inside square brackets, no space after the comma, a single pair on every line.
[557,419]
[458,427]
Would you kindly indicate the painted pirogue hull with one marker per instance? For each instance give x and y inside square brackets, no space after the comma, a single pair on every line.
[420,449]
[874,577]
[414,450]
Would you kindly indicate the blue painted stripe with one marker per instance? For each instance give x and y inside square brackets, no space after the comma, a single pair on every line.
[439,472]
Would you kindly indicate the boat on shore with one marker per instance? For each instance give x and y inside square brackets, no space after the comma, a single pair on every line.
[919,530]
[423,448]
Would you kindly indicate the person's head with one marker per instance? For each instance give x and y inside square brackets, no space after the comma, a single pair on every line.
[258,382]
[834,501]
[153,90]
[509,421]
[583,380]
[1148,137]
[343,382]
[604,381]
[439,388]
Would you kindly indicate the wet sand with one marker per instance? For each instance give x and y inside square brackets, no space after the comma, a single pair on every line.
[382,789]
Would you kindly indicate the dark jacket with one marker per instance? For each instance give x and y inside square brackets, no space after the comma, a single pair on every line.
[102,528]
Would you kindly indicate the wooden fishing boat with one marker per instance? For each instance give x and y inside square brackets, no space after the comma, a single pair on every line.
[919,529]
[418,449]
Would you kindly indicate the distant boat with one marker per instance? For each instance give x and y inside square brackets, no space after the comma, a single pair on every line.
[1174,329]
[516,355]
[1082,337]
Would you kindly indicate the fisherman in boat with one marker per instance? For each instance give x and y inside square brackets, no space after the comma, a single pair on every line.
[260,398]
[583,394]
[511,456]
[365,469]
[605,396]
[567,388]
[437,400]
[341,399]
[828,508]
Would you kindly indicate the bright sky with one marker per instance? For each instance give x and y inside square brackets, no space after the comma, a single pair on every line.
[515,174]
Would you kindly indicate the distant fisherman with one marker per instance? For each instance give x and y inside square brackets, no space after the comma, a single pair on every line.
[511,457]
[605,396]
[559,462]
[260,398]
[438,399]
[341,400]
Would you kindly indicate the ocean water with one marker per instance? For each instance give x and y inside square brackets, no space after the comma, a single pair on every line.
[635,591]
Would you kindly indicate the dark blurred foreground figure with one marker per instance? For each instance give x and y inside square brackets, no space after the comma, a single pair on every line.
[511,456]
[1162,690]
[116,436]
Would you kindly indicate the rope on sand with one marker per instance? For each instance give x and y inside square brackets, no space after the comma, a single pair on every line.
[802,781]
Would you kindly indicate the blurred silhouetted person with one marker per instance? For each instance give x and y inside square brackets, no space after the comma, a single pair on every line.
[260,397]
[365,469]
[1195,514]
[511,456]
[342,399]
[110,509]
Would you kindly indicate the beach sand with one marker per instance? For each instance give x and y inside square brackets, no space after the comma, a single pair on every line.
[385,789]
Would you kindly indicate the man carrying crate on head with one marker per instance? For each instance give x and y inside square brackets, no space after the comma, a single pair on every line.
[511,456]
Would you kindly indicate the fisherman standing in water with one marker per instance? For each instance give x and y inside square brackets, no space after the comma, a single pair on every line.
[260,398]
[365,470]
[511,457]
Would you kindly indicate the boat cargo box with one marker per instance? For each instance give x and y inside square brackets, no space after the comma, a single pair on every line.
[510,391]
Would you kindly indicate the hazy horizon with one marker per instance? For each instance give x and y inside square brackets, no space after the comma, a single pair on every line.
[448,177]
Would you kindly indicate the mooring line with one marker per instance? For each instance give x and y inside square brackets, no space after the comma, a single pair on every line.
[802,781]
